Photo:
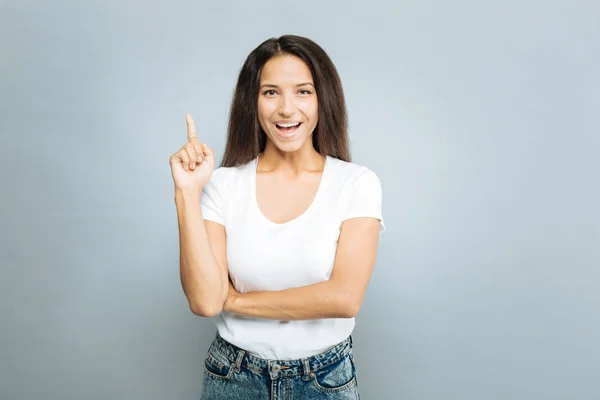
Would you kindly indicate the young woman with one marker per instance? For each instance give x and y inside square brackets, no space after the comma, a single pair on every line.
[278,243]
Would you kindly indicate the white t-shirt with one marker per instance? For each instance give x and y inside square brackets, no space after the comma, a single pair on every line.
[265,256]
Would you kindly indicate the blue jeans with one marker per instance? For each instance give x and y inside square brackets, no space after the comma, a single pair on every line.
[230,373]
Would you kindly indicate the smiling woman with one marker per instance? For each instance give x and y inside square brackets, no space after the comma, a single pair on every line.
[286,72]
[287,111]
[281,249]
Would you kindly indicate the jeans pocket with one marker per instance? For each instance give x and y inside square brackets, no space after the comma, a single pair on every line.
[217,365]
[336,377]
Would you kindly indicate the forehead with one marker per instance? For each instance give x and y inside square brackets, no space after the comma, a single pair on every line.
[285,68]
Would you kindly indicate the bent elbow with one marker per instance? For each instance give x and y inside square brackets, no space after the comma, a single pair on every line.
[352,310]
[207,306]
[349,308]
[205,310]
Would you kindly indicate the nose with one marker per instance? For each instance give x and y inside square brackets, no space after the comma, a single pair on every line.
[287,106]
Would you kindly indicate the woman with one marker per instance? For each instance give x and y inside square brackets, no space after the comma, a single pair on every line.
[282,247]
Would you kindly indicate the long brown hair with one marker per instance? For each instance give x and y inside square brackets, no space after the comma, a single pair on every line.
[246,138]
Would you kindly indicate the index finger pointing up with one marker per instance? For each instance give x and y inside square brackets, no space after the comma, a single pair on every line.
[191,126]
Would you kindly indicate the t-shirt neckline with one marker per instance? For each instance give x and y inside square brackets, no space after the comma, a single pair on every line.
[299,217]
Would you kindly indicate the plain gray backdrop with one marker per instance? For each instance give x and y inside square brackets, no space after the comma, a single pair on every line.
[480,117]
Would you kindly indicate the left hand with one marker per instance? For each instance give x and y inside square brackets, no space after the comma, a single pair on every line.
[231,296]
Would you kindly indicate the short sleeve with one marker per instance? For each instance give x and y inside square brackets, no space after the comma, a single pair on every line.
[212,201]
[366,199]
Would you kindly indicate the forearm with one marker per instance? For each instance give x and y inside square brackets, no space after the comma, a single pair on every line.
[320,300]
[204,282]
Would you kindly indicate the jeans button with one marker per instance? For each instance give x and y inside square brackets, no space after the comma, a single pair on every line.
[276,368]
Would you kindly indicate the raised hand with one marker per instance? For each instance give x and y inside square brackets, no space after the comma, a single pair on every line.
[194,163]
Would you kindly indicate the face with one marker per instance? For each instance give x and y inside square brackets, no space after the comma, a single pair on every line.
[287,103]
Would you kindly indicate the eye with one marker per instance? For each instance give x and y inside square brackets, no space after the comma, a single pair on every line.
[270,92]
[305,92]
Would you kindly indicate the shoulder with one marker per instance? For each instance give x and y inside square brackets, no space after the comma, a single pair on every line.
[220,189]
[359,191]
[351,174]
[227,177]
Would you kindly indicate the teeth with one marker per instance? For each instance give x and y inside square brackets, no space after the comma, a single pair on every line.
[288,125]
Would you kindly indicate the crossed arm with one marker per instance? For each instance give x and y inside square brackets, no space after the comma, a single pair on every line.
[339,297]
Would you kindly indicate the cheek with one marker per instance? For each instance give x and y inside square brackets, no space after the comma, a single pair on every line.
[264,111]
[315,106]
[314,113]
[311,110]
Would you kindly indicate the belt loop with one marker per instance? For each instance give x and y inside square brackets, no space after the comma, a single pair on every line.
[306,367]
[238,361]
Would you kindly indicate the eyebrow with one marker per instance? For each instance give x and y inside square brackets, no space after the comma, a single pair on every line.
[276,87]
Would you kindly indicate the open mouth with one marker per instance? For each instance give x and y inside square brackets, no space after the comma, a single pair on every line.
[287,130]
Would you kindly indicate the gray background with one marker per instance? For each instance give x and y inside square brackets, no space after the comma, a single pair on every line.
[480,117]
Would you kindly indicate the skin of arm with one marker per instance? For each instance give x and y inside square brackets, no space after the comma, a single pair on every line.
[203,266]
[339,297]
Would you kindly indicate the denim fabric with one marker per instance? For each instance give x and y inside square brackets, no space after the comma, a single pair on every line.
[230,373]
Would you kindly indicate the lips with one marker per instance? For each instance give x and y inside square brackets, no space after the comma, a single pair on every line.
[287,130]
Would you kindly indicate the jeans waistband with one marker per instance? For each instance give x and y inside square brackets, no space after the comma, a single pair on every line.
[302,366]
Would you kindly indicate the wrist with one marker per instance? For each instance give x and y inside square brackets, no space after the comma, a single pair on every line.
[187,197]
[187,192]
